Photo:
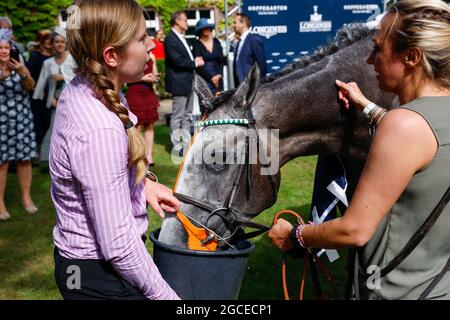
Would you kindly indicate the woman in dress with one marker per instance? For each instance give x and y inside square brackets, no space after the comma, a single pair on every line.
[406,174]
[159,45]
[43,51]
[17,137]
[144,104]
[56,73]
[209,47]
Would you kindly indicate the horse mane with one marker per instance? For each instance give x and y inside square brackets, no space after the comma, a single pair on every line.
[345,37]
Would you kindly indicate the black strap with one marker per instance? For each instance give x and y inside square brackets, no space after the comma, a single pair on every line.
[186,199]
[435,282]
[412,244]
[251,224]
[315,278]
[417,237]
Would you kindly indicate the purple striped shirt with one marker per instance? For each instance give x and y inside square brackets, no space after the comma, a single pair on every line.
[100,211]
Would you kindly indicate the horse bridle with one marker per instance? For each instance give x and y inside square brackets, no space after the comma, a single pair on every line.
[226,212]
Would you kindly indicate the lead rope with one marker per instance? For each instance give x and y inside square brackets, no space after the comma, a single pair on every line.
[309,255]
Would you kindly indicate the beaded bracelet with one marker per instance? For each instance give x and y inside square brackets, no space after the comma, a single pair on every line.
[299,233]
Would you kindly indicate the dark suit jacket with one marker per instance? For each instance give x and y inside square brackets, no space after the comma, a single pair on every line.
[252,50]
[179,66]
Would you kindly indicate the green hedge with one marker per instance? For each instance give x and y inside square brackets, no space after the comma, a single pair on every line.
[30,16]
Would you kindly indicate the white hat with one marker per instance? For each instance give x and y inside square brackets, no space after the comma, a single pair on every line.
[60,32]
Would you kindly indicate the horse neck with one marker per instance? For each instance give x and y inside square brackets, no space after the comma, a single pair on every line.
[301,132]
[303,106]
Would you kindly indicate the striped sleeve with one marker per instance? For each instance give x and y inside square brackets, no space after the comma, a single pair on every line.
[99,162]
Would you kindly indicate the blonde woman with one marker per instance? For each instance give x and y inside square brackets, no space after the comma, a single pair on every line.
[406,173]
[98,164]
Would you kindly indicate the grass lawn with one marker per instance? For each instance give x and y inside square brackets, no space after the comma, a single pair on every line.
[26,247]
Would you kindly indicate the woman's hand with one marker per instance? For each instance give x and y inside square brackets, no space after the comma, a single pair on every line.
[199,62]
[58,77]
[18,66]
[54,103]
[216,80]
[150,77]
[279,235]
[350,92]
[160,198]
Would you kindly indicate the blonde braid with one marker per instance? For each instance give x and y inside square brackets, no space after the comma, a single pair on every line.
[107,23]
[97,75]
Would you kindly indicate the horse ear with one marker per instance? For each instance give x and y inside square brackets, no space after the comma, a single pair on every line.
[201,88]
[248,88]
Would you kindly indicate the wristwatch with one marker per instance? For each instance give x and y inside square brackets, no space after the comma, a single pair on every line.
[151,176]
[369,108]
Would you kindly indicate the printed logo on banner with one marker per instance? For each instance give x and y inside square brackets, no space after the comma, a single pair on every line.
[362,8]
[268,31]
[268,10]
[315,24]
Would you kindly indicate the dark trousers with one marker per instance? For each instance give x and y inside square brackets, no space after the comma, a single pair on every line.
[91,280]
[41,118]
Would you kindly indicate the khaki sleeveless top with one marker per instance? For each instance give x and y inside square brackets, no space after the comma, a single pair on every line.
[410,279]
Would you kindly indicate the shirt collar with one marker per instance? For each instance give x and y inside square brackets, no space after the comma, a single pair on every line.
[244,35]
[181,36]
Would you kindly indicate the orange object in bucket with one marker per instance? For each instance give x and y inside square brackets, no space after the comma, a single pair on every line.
[196,235]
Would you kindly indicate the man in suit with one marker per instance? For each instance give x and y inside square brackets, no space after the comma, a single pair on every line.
[180,66]
[249,49]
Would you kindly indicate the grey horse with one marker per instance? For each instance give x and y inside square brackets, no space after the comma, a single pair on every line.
[300,103]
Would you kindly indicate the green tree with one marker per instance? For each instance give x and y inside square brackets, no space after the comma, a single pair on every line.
[165,8]
[29,16]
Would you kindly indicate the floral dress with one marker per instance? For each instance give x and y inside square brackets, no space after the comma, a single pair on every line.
[17,137]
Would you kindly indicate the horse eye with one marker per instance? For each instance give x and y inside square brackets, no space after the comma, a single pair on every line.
[218,161]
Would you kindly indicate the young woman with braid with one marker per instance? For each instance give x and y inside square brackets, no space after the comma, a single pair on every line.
[407,170]
[98,164]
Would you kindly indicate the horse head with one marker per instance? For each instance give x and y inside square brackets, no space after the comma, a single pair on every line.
[231,172]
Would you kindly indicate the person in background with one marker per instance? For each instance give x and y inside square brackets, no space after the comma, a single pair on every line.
[98,165]
[43,51]
[5,23]
[158,40]
[17,138]
[209,48]
[249,49]
[406,173]
[56,73]
[31,45]
[180,65]
[144,104]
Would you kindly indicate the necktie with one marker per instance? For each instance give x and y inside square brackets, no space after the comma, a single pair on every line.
[238,48]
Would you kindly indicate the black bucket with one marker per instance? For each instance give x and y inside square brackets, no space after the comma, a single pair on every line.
[202,275]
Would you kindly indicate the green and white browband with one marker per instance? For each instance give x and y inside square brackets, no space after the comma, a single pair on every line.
[221,122]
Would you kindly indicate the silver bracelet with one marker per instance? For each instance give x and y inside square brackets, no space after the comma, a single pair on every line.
[370,108]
